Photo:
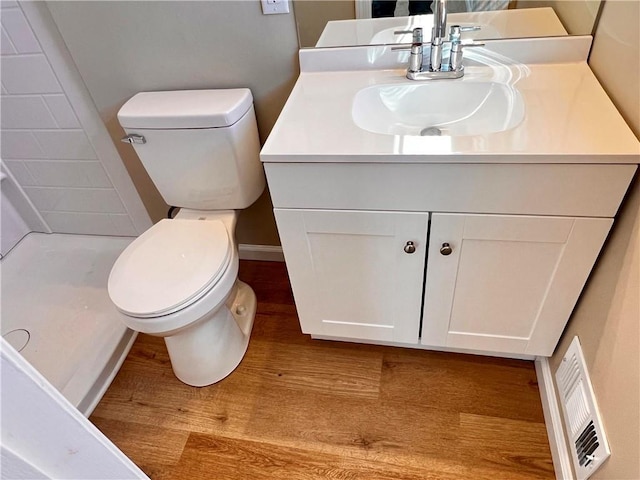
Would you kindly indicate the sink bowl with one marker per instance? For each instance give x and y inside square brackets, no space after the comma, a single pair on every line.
[440,107]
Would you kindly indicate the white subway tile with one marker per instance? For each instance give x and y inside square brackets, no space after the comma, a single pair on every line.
[19,144]
[83,223]
[25,112]
[68,174]
[6,47]
[62,111]
[65,144]
[19,30]
[88,200]
[28,74]
[20,172]
[123,225]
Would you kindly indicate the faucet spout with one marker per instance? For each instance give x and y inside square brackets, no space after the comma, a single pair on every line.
[439,19]
[438,33]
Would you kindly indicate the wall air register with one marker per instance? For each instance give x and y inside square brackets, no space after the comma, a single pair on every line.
[588,443]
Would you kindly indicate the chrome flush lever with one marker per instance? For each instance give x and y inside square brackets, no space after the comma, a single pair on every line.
[134,138]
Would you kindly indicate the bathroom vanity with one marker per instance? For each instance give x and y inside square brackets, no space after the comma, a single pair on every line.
[478,236]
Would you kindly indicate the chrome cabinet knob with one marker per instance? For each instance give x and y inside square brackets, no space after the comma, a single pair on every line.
[409,247]
[446,249]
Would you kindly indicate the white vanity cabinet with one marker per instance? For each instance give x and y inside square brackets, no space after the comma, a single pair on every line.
[524,194]
[356,274]
[506,283]
[484,258]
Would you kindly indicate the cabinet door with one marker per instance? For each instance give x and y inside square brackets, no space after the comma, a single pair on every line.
[350,274]
[509,283]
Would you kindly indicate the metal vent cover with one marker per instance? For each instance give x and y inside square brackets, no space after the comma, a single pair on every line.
[589,446]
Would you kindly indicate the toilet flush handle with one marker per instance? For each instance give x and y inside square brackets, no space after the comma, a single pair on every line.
[133,138]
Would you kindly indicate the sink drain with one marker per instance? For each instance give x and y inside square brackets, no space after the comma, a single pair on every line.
[431,132]
[17,338]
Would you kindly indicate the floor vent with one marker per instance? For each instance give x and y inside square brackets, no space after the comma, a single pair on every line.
[589,447]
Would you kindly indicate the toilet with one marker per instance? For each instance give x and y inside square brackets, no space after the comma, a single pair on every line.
[179,279]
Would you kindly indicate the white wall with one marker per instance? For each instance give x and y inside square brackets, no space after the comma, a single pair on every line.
[49,139]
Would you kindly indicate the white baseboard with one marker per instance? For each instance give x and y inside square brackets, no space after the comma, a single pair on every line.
[553,421]
[268,253]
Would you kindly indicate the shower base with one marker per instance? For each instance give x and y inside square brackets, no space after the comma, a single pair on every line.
[57,313]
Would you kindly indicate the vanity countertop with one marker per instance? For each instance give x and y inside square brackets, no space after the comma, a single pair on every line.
[568,119]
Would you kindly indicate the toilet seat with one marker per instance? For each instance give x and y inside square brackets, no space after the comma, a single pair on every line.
[169,267]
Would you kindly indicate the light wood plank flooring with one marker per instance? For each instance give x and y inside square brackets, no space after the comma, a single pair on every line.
[298,408]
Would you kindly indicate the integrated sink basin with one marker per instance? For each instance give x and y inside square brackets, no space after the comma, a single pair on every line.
[441,107]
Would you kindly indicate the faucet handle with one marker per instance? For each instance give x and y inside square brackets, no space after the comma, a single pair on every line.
[455,57]
[417,34]
[415,58]
[455,31]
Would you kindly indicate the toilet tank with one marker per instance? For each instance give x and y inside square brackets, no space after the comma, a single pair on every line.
[200,147]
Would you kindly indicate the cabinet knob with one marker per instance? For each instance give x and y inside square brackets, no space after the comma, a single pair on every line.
[446,249]
[409,247]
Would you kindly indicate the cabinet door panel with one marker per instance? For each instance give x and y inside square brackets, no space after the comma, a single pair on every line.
[510,282]
[350,274]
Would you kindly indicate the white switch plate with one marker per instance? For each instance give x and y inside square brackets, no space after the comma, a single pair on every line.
[270,7]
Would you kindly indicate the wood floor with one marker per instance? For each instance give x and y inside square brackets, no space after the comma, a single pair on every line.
[298,408]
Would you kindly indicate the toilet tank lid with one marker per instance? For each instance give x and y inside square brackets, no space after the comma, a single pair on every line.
[185,109]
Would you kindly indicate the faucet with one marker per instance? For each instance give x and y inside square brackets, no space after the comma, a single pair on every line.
[417,70]
[438,33]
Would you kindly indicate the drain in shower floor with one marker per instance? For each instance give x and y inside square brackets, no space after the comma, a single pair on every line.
[17,338]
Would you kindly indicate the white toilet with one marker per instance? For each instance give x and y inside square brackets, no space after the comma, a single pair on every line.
[178,280]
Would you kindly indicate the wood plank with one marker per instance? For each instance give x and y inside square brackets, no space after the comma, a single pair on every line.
[358,428]
[146,392]
[512,444]
[462,383]
[146,445]
[342,372]
[207,457]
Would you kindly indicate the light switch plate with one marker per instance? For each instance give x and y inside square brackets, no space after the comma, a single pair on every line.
[271,7]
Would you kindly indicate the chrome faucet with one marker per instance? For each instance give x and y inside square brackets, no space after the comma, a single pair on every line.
[435,69]
[438,33]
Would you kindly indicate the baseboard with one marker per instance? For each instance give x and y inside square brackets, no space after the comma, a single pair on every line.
[553,421]
[268,253]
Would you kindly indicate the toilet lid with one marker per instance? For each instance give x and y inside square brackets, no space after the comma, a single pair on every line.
[169,266]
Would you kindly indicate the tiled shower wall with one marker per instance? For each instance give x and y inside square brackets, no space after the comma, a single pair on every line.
[43,143]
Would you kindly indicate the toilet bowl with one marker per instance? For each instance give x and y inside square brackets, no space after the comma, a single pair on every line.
[178,280]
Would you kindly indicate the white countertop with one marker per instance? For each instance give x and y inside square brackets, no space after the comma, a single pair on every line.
[568,119]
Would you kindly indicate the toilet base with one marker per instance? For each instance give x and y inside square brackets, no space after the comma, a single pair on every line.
[208,351]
